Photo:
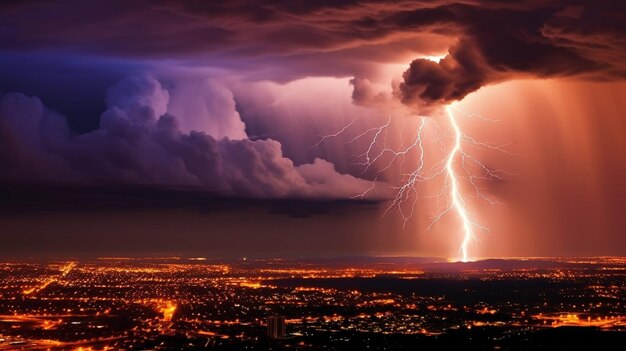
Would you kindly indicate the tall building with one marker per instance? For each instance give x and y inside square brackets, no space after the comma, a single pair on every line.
[276,327]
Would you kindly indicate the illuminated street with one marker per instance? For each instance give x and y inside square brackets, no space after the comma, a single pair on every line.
[173,303]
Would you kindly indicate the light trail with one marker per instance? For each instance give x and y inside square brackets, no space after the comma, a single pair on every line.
[65,270]
[381,156]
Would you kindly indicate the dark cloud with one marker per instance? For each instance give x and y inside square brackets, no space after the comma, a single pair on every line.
[456,75]
[279,41]
[177,29]
[365,93]
[27,199]
[74,86]
[582,41]
[138,143]
[488,41]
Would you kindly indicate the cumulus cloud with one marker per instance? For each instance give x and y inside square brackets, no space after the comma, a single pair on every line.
[366,93]
[28,134]
[139,143]
[206,105]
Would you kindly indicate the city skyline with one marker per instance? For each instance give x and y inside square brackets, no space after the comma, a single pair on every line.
[311,304]
[312,129]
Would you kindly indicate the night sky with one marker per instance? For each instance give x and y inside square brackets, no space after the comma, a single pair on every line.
[197,128]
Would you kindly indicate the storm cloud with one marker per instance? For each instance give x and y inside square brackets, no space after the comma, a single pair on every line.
[486,41]
[166,132]
[582,41]
[138,143]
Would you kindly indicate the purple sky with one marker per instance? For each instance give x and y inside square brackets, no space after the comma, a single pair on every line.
[198,123]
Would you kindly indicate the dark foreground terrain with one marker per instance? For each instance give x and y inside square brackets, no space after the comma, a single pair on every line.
[327,304]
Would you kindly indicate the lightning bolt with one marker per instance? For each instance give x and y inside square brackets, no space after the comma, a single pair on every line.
[456,199]
[383,157]
[455,196]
